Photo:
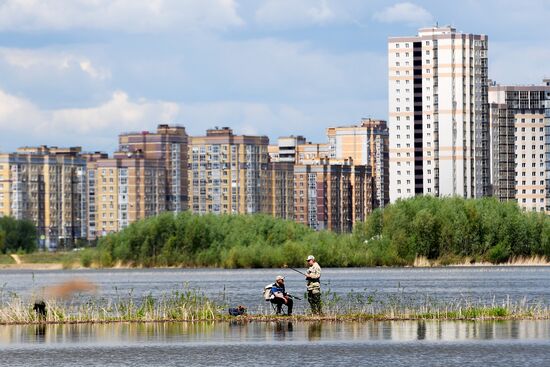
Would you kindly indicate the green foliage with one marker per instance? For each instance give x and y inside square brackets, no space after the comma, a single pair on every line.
[88,257]
[17,235]
[2,240]
[448,230]
[453,228]
[231,241]
[498,254]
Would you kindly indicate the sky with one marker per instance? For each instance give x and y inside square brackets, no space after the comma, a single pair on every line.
[79,72]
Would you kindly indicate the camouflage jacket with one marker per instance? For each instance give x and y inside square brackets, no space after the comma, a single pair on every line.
[314,275]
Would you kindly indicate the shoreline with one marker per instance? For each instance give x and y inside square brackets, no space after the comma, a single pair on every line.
[295,318]
[60,266]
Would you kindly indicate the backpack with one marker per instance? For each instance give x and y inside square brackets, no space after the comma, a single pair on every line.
[268,296]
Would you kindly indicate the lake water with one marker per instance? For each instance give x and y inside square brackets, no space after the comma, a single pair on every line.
[403,343]
[480,285]
[398,343]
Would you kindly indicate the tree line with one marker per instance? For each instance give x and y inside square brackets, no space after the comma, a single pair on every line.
[451,229]
[444,229]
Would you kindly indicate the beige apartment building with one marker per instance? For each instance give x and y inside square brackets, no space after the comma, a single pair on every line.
[169,145]
[312,152]
[46,185]
[279,186]
[366,144]
[127,189]
[331,196]
[286,149]
[228,173]
[438,114]
[519,143]
[145,177]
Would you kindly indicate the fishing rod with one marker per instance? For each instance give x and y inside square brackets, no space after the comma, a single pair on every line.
[304,274]
[296,270]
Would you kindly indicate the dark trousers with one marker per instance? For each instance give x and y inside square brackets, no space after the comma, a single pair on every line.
[314,300]
[279,302]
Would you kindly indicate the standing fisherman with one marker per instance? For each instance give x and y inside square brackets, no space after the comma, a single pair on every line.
[313,278]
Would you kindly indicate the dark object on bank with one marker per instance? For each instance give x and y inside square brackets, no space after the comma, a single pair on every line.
[40,309]
[237,311]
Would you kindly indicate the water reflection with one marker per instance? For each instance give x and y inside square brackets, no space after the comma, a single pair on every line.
[40,333]
[212,332]
[282,329]
[314,331]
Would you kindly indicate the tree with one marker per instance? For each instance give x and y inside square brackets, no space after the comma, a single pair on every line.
[18,235]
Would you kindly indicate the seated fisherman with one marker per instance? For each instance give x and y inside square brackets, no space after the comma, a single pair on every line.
[280,296]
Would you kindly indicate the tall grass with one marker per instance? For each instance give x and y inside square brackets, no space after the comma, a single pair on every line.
[186,305]
[191,305]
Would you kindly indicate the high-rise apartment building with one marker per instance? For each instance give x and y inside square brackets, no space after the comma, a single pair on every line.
[128,189]
[279,201]
[331,195]
[366,144]
[46,185]
[169,145]
[285,150]
[312,152]
[438,114]
[227,172]
[520,118]
[145,177]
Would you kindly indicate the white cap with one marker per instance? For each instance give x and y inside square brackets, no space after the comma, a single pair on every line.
[279,277]
[310,257]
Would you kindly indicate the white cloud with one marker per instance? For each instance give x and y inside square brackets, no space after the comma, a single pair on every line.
[406,12]
[60,61]
[126,15]
[292,12]
[119,112]
[97,127]
[27,124]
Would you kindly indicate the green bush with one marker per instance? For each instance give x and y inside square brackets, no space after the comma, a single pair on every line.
[448,230]
[498,254]
[17,235]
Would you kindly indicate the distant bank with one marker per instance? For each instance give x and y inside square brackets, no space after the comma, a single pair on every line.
[70,260]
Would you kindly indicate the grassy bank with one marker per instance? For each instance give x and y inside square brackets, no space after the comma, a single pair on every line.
[191,305]
[43,260]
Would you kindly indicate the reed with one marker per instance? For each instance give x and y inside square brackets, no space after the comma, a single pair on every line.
[187,305]
[192,305]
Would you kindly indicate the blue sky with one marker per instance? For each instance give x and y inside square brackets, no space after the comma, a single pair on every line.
[78,72]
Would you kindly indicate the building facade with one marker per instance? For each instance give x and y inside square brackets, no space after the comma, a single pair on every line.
[279,187]
[438,114]
[331,196]
[46,185]
[366,144]
[145,177]
[228,173]
[519,119]
[169,145]
[285,150]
